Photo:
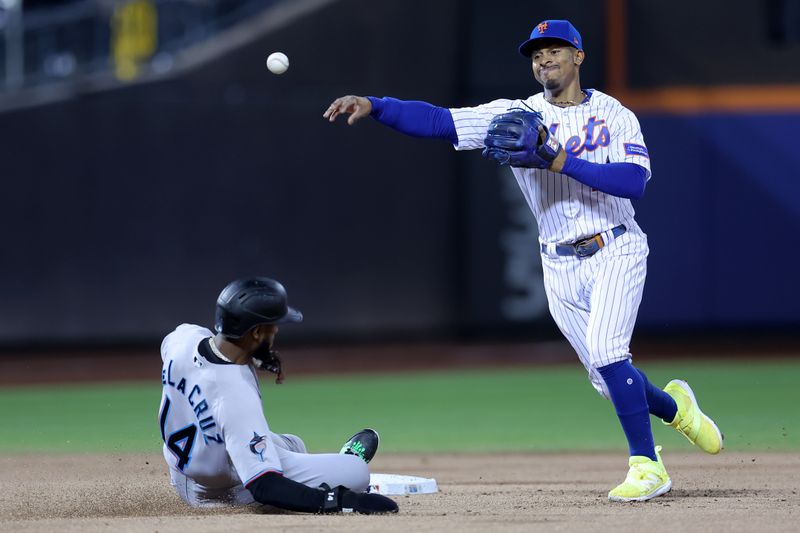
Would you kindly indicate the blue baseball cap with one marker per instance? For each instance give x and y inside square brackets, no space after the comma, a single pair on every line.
[561,30]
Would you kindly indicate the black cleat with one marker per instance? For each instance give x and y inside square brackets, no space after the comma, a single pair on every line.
[363,444]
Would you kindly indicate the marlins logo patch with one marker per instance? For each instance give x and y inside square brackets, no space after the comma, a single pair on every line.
[258,445]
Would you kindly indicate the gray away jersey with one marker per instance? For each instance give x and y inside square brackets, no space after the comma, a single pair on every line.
[211,417]
[600,130]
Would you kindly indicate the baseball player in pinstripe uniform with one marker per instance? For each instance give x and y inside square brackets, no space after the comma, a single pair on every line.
[585,159]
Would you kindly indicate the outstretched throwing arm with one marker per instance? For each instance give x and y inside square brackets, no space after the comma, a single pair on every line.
[412,117]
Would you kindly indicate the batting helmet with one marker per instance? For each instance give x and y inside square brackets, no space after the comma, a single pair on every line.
[248,302]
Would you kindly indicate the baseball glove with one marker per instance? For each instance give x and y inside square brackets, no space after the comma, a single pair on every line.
[519,138]
[268,359]
[342,499]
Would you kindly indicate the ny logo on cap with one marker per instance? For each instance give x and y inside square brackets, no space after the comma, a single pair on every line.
[542,27]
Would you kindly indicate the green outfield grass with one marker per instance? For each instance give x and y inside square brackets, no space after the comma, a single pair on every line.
[545,409]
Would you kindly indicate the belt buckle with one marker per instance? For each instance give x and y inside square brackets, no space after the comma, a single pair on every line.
[586,247]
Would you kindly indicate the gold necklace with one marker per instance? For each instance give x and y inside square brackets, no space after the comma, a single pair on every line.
[217,351]
[566,102]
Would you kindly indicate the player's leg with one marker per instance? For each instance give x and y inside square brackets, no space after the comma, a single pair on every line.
[290,442]
[616,292]
[569,308]
[314,469]
[619,282]
[615,300]
[566,281]
[185,488]
[660,403]
[569,287]
[198,495]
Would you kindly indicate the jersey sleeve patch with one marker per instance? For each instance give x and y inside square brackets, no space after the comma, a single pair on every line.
[636,149]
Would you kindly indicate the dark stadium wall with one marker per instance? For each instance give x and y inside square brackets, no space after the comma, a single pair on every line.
[126,211]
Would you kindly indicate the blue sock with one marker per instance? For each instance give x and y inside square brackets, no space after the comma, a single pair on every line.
[661,404]
[627,390]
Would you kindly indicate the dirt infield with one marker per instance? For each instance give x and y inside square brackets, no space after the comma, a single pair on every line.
[510,492]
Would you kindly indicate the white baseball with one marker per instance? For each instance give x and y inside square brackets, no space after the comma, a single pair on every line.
[277,63]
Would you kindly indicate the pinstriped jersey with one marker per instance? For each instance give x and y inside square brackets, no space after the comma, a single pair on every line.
[600,130]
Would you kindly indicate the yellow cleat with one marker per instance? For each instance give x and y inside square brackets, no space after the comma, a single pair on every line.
[646,479]
[690,421]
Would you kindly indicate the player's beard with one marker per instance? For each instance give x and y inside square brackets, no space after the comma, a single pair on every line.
[550,84]
[264,351]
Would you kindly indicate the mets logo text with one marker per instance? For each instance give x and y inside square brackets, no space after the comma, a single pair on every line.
[595,135]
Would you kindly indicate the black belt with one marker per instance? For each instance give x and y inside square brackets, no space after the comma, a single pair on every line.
[586,247]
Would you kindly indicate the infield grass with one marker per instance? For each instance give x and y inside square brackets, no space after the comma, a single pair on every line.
[522,409]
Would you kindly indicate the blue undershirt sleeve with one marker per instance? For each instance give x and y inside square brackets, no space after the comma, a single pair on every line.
[418,119]
[626,180]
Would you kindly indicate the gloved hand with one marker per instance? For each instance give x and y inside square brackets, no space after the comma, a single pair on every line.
[342,499]
[519,138]
[269,360]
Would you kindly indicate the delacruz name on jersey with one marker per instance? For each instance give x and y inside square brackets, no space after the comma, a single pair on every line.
[211,417]
[600,130]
